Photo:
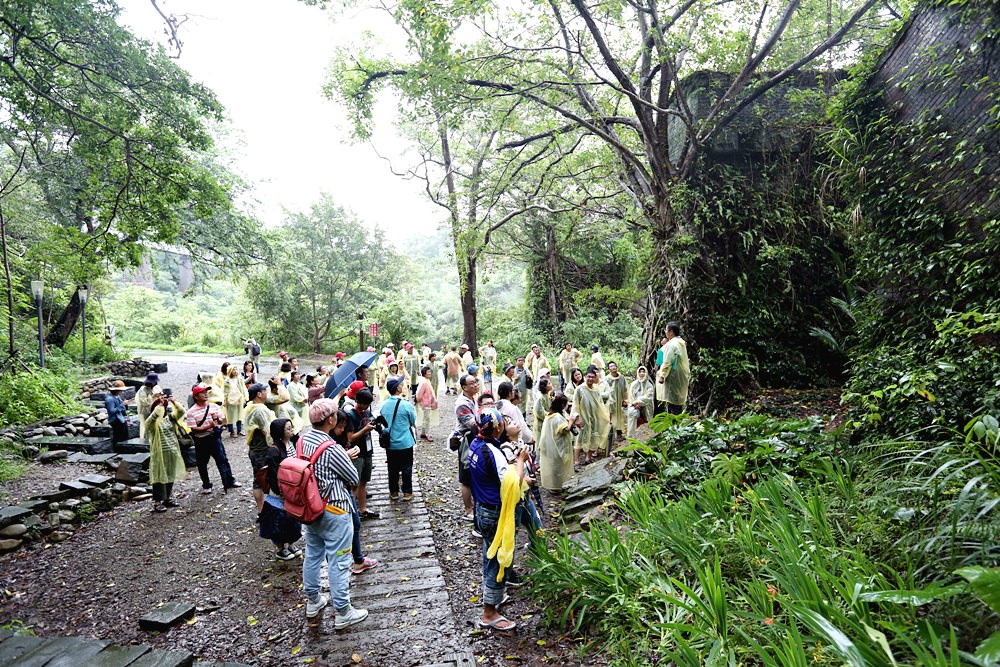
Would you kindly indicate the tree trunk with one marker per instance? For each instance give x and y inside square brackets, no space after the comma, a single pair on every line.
[60,332]
[10,285]
[552,270]
[469,305]
[666,291]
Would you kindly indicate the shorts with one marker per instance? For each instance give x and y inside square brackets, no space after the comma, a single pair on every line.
[363,464]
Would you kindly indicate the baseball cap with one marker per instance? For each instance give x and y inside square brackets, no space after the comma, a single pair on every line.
[393,384]
[507,367]
[255,389]
[353,389]
[473,369]
[340,355]
[197,389]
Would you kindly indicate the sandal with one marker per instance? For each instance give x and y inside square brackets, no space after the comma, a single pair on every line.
[495,624]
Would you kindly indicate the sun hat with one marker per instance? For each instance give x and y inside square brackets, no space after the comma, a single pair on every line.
[464,345]
[321,410]
[393,384]
[152,378]
[507,367]
[353,389]
[118,385]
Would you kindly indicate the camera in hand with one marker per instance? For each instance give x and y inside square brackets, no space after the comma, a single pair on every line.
[168,393]
[380,423]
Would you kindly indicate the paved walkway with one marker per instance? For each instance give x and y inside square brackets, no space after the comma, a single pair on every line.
[405,595]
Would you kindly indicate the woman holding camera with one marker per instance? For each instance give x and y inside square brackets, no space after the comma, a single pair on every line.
[555,445]
[166,465]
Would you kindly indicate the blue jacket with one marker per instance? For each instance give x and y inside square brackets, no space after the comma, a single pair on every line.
[400,428]
[116,408]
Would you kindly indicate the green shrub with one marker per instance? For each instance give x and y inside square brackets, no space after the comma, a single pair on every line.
[30,397]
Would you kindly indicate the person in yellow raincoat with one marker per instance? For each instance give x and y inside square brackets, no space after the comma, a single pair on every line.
[235,392]
[555,444]
[569,359]
[615,383]
[298,397]
[597,361]
[166,465]
[674,376]
[640,400]
[144,399]
[257,418]
[590,403]
[543,399]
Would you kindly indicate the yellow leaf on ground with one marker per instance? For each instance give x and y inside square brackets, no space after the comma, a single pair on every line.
[192,620]
[295,651]
[356,659]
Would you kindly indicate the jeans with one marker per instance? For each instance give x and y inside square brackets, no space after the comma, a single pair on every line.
[357,555]
[400,463]
[329,538]
[239,427]
[493,590]
[162,492]
[206,448]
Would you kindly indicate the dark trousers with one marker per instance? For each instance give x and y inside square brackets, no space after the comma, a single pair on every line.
[400,464]
[356,553]
[211,448]
[162,492]
[119,432]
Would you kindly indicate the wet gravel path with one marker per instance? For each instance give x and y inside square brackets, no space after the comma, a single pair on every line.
[423,598]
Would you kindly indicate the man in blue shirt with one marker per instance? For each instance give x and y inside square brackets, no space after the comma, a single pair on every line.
[117,412]
[401,417]
[487,463]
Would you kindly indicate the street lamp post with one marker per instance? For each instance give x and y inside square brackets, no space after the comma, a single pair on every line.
[36,291]
[83,313]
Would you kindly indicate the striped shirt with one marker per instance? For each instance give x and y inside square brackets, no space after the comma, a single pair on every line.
[334,471]
[196,415]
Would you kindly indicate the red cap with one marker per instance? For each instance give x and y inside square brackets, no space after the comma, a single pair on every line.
[354,388]
[339,355]
[197,390]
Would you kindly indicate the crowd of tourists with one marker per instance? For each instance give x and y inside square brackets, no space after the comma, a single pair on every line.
[520,425]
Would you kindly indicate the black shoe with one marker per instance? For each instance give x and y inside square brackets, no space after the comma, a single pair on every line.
[234,485]
[370,514]
[170,503]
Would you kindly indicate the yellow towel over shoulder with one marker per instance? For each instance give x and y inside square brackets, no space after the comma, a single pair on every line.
[503,542]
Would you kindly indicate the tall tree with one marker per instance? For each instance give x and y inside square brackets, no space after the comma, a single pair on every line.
[111,127]
[619,72]
[321,279]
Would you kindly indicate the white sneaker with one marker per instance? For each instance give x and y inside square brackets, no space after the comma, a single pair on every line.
[350,617]
[313,608]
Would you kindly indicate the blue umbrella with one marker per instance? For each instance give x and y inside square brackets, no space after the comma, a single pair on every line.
[345,375]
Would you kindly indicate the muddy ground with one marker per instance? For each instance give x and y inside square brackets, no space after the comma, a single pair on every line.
[250,606]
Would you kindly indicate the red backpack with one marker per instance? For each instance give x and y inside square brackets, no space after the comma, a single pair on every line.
[298,485]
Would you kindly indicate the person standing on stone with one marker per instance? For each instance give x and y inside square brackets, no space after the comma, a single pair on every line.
[640,400]
[329,537]
[674,376]
[166,464]
[205,421]
[590,402]
[144,399]
[453,370]
[555,444]
[401,418]
[235,391]
[615,383]
[117,412]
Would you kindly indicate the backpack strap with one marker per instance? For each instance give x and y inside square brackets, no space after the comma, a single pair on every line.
[315,455]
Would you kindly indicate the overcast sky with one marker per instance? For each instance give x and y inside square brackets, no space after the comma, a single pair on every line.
[267,60]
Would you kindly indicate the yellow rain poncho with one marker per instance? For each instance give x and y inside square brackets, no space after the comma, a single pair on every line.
[539,410]
[511,489]
[166,465]
[568,360]
[143,397]
[589,403]
[297,396]
[555,451]
[675,373]
[639,392]
[616,385]
[235,391]
[257,419]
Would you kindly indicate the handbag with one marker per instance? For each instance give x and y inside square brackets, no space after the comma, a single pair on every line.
[384,440]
